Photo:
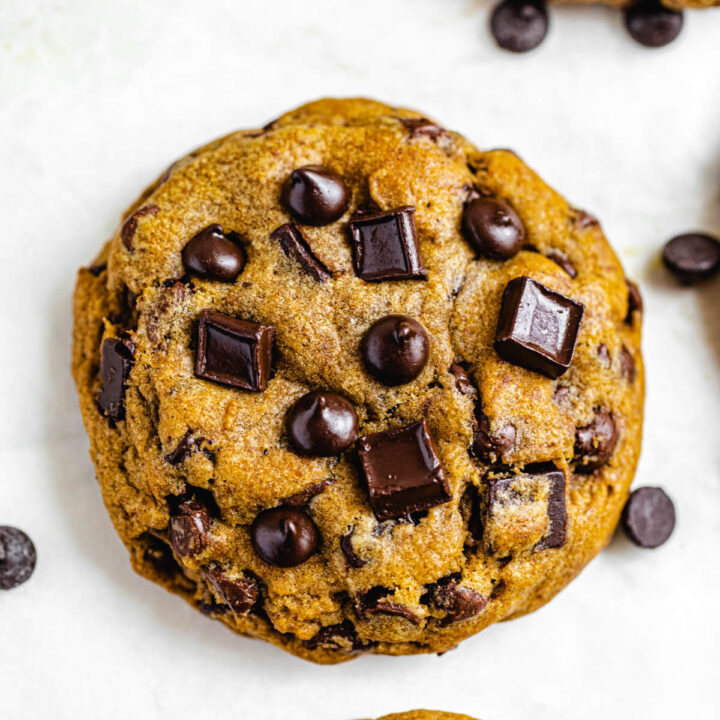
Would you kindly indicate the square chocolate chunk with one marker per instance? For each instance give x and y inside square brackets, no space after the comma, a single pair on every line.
[537,328]
[402,471]
[234,352]
[385,246]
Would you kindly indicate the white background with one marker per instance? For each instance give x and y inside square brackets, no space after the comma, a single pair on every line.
[98,96]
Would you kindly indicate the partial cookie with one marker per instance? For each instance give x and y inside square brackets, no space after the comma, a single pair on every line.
[425,715]
[353,385]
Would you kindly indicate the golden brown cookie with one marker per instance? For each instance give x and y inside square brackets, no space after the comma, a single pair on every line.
[353,385]
[425,715]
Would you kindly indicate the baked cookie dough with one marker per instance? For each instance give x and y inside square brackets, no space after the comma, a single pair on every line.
[425,715]
[353,385]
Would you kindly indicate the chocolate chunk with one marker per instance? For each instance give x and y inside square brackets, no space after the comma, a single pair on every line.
[537,328]
[234,352]
[17,557]
[342,635]
[316,195]
[306,495]
[130,225]
[353,560]
[649,517]
[560,259]
[493,228]
[385,246]
[490,448]
[635,303]
[188,445]
[115,366]
[295,246]
[460,603]
[241,594]
[519,25]
[97,269]
[463,383]
[189,528]
[402,471]
[395,349]
[213,255]
[422,127]
[557,512]
[284,536]
[627,365]
[652,24]
[371,602]
[322,424]
[159,555]
[585,220]
[692,257]
[595,442]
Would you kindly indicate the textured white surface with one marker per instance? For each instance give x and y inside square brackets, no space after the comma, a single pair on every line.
[98,96]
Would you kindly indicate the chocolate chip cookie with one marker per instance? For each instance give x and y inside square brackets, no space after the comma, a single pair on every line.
[425,715]
[353,385]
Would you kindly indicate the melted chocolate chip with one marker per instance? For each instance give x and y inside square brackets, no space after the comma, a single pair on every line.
[395,349]
[595,442]
[17,557]
[627,365]
[585,220]
[305,496]
[635,303]
[402,471]
[463,383]
[241,594]
[322,424]
[189,528]
[385,246]
[490,448]
[336,636]
[519,25]
[422,127]
[371,602]
[159,555]
[561,259]
[115,366]
[234,352]
[130,225]
[493,228]
[537,328]
[188,445]
[460,603]
[352,558]
[316,195]
[649,517]
[284,536]
[692,257]
[213,255]
[295,246]
[652,24]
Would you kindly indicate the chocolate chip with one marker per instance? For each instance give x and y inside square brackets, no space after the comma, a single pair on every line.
[159,555]
[306,495]
[422,127]
[692,257]
[189,528]
[537,328]
[557,511]
[371,602]
[627,365]
[490,448]
[463,383]
[321,424]
[652,24]
[115,366]
[649,517]
[97,269]
[385,246]
[635,303]
[241,594]
[595,442]
[395,349]
[584,219]
[17,557]
[316,195]
[493,228]
[352,558]
[460,603]
[336,636]
[188,445]
[295,246]
[603,353]
[284,536]
[402,471]
[130,225]
[560,259]
[519,25]
[234,352]
[213,255]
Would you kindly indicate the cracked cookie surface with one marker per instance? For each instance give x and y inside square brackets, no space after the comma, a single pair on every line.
[425,715]
[353,385]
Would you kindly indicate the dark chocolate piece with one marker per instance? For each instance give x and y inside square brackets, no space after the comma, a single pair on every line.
[322,424]
[692,257]
[422,127]
[352,558]
[490,448]
[561,259]
[340,636]
[649,517]
[189,528]
[395,349]
[635,303]
[188,445]
[493,228]
[537,328]
[460,603]
[295,246]
[305,496]
[463,383]
[627,365]
[371,602]
[17,557]
[595,442]
[115,366]
[652,24]
[519,25]
[402,471]
[284,536]
[130,225]
[214,255]
[241,594]
[316,195]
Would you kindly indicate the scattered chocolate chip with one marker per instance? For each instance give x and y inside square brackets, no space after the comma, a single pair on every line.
[402,471]
[603,353]
[213,255]
[422,127]
[519,25]
[649,517]
[115,366]
[305,496]
[352,558]
[537,328]
[284,536]
[234,352]
[652,24]
[97,269]
[692,257]
[159,555]
[211,609]
[371,602]
[595,442]
[189,528]
[463,383]
[295,246]
[322,424]
[316,195]
[460,603]
[336,636]
[561,259]
[627,365]
[635,303]
[130,225]
[584,219]
[17,557]
[395,349]
[493,228]
[241,594]
[385,246]
[490,448]
[188,445]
